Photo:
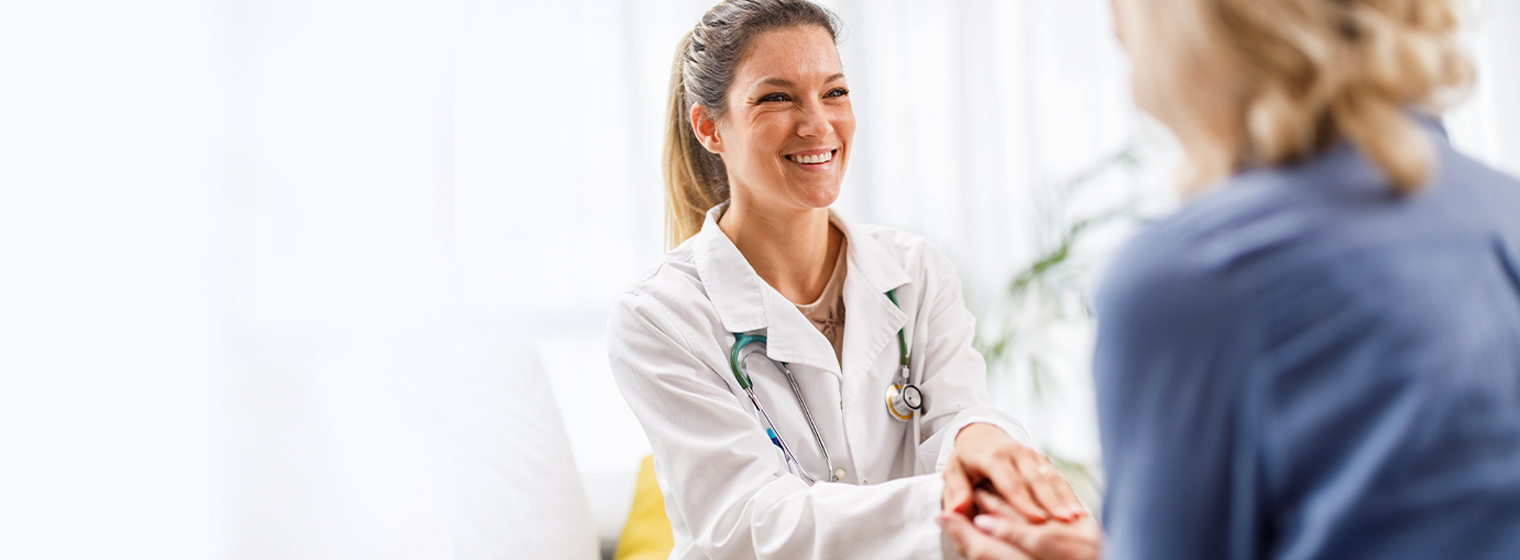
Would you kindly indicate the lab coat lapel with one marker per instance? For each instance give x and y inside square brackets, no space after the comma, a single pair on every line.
[732,285]
[746,304]
[871,320]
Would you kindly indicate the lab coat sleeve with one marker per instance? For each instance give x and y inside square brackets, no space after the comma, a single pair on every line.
[725,483]
[953,374]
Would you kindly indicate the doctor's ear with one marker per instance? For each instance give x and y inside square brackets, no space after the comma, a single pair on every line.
[706,129]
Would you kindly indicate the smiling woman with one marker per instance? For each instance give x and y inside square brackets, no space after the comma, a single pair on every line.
[702,80]
[784,138]
[858,428]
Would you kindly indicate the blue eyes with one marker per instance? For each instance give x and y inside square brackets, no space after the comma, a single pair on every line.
[783,98]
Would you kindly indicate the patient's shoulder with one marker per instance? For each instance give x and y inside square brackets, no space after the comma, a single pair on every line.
[1165,270]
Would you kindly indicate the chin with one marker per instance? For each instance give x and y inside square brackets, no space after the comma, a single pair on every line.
[818,197]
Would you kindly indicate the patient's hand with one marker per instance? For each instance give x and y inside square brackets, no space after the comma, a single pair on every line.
[985,454]
[1001,533]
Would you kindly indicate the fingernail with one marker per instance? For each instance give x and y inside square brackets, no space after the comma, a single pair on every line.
[940,519]
[986,523]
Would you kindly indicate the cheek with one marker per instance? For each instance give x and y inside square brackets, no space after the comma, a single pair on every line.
[844,125]
[765,139]
[743,143]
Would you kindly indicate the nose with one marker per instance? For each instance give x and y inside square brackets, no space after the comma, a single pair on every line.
[814,121]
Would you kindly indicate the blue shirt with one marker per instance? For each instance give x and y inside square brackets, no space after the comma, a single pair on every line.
[1302,364]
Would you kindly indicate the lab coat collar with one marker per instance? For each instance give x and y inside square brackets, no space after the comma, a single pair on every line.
[746,304]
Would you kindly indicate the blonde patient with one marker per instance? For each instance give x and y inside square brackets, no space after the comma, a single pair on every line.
[1318,355]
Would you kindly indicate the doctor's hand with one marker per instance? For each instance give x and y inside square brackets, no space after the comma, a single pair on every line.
[1003,534]
[984,454]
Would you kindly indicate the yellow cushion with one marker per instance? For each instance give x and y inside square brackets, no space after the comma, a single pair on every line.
[647,534]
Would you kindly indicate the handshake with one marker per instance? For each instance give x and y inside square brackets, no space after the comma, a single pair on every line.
[1004,501]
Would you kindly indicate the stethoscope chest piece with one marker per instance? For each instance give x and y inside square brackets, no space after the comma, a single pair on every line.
[903,398]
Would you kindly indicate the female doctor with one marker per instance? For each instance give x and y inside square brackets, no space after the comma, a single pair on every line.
[764,355]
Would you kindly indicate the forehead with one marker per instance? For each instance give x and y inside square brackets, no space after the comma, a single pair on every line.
[795,54]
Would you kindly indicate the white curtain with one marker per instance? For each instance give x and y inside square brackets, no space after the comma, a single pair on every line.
[227,279]
[1487,124]
[239,237]
[110,382]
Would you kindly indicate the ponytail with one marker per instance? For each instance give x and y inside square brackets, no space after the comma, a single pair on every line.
[695,179]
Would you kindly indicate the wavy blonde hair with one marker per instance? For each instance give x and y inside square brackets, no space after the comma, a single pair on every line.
[1299,75]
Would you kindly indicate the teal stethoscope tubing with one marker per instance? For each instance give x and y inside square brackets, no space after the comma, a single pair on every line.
[736,359]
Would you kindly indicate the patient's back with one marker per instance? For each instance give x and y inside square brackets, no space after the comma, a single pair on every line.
[1302,364]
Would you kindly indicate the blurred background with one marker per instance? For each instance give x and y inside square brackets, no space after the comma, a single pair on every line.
[328,278]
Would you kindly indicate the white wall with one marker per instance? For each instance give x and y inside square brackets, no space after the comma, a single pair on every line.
[224,233]
[1487,124]
[338,289]
[111,382]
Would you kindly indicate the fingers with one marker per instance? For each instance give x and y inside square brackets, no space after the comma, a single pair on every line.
[1001,521]
[1077,540]
[996,527]
[957,495]
[1015,489]
[991,503]
[1049,486]
[975,545]
[1025,478]
[1069,494]
[1028,539]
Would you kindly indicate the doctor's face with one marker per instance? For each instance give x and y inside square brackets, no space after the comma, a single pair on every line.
[786,135]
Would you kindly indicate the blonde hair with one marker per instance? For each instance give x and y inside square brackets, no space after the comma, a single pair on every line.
[1303,74]
[695,179]
[704,68]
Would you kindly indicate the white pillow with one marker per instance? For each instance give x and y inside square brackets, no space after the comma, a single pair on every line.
[518,492]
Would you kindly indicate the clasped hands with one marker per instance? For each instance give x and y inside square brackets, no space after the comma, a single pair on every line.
[1005,501]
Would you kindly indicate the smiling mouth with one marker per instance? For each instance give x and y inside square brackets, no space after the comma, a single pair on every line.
[813,159]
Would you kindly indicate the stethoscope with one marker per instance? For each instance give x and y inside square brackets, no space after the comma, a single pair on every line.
[903,398]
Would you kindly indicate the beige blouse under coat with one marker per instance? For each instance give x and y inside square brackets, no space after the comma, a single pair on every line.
[827,313]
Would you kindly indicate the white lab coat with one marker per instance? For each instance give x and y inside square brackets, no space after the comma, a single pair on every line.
[728,490]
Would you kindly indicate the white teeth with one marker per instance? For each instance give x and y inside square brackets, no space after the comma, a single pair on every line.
[817,158]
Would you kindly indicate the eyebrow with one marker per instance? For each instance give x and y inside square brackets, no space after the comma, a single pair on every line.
[784,83]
